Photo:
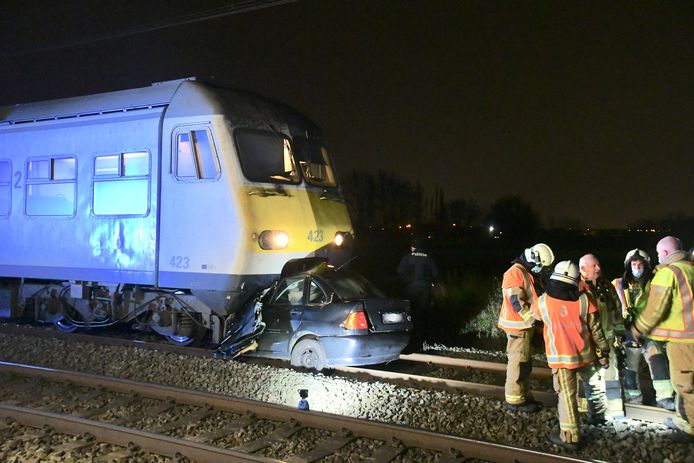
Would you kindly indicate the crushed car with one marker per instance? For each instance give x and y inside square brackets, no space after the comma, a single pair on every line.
[317,316]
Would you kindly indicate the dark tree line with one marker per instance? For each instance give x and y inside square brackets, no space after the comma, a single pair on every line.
[383,201]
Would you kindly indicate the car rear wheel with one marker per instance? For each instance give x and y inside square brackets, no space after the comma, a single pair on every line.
[308,353]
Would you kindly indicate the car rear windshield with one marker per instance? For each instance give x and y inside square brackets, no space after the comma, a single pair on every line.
[350,285]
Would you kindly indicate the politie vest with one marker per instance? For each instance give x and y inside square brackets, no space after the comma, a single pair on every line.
[678,324]
[509,319]
[567,339]
[624,292]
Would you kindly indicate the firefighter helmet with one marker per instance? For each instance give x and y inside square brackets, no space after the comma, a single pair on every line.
[541,255]
[637,254]
[567,272]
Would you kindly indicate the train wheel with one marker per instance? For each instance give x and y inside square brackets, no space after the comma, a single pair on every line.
[308,353]
[65,325]
[181,340]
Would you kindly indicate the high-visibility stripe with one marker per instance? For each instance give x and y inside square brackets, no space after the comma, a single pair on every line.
[623,295]
[509,318]
[542,303]
[685,297]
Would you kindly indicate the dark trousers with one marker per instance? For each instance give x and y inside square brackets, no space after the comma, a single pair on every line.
[420,308]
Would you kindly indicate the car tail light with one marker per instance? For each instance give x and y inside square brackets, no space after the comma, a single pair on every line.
[356,321]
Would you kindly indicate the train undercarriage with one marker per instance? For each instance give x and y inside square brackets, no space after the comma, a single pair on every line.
[177,315]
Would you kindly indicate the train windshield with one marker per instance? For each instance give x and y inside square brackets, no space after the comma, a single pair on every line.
[266,156]
[314,161]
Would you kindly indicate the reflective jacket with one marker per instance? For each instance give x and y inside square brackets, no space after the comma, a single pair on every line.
[634,296]
[518,288]
[571,328]
[669,314]
[603,295]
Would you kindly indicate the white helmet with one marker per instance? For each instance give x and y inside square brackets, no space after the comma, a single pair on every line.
[637,254]
[567,272]
[541,255]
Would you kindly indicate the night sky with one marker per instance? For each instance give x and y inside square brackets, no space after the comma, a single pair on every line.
[585,109]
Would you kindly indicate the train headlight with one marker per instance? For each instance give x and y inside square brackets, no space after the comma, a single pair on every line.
[273,239]
[341,238]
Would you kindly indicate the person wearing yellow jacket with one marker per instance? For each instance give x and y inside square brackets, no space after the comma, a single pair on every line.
[669,317]
[520,288]
[603,295]
[573,339]
[633,288]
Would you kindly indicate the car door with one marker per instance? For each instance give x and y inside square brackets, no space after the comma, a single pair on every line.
[282,315]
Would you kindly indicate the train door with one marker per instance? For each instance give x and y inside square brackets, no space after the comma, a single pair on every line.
[197,222]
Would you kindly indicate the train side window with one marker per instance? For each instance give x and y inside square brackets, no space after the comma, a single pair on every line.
[121,184]
[5,188]
[51,186]
[196,156]
[266,156]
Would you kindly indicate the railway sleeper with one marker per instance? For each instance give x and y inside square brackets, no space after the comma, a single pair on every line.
[154,410]
[324,447]
[112,404]
[229,428]
[280,435]
[192,418]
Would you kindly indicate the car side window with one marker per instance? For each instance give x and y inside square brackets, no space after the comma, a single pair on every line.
[290,291]
[316,294]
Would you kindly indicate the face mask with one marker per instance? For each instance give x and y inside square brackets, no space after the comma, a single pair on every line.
[637,273]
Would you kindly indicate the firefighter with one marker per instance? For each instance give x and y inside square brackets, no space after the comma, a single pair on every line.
[632,289]
[418,270]
[573,338]
[520,287]
[669,317]
[604,297]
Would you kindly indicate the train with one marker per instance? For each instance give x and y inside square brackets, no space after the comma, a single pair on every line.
[165,206]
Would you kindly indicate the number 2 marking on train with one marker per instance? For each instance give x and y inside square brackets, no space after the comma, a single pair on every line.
[18,176]
[179,262]
[315,235]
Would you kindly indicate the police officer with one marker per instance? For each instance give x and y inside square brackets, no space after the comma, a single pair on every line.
[418,270]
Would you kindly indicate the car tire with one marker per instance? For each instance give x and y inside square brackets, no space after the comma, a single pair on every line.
[308,353]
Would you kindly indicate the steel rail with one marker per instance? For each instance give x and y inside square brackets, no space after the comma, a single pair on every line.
[122,436]
[409,437]
[493,367]
[633,411]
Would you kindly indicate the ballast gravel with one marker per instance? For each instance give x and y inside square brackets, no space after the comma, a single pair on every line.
[452,413]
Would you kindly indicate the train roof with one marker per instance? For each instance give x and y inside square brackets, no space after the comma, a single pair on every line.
[156,95]
[182,98]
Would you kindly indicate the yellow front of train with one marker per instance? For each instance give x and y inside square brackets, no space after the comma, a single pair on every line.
[293,204]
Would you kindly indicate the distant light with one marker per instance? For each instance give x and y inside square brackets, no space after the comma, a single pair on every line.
[409,225]
[491,229]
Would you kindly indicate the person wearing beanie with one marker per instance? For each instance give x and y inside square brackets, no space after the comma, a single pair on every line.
[573,339]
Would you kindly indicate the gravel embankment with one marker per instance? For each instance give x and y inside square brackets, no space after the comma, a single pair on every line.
[452,413]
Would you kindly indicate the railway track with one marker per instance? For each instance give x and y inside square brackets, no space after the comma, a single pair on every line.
[633,411]
[198,426]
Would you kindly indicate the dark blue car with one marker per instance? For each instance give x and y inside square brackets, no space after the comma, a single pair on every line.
[319,317]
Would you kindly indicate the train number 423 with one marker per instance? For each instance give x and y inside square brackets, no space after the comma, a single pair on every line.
[179,262]
[315,236]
